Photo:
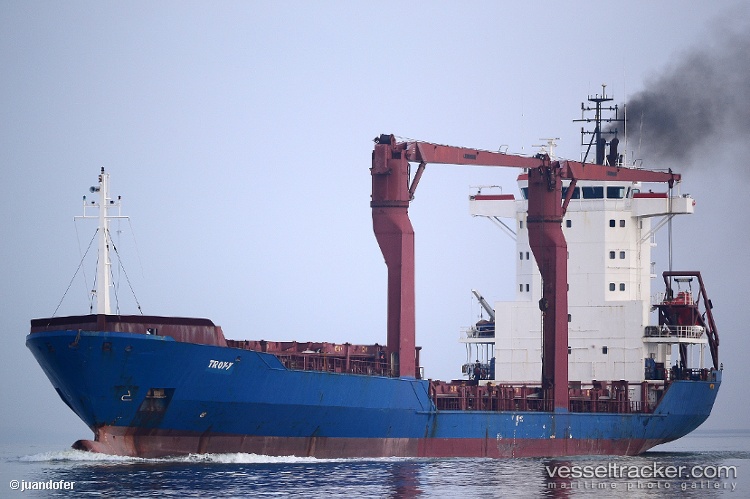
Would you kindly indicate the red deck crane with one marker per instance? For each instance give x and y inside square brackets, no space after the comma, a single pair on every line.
[393,190]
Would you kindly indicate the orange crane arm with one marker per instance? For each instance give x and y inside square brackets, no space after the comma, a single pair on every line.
[391,195]
[425,152]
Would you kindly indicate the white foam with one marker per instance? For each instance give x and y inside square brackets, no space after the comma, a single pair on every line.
[72,455]
[244,458]
[76,455]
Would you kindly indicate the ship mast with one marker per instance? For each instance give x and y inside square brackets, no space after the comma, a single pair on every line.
[104,263]
[102,290]
[597,135]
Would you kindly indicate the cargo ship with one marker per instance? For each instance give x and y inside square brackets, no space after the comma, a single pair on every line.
[585,360]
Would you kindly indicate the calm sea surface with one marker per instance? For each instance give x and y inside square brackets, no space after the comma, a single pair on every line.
[723,457]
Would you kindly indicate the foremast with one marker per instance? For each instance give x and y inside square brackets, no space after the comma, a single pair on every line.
[103,282]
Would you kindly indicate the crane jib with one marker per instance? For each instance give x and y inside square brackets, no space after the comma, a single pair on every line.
[392,192]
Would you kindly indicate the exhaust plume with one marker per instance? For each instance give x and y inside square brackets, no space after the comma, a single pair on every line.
[701,101]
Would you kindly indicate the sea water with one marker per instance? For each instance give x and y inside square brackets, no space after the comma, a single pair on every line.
[704,464]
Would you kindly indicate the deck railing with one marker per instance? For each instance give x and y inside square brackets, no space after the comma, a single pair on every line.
[334,364]
[665,331]
[524,398]
[598,396]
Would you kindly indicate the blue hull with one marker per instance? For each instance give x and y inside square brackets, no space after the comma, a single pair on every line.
[151,396]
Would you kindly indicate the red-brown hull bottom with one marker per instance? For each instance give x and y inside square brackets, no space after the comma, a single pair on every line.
[159,443]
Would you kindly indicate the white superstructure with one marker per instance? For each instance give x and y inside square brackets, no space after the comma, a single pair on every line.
[609,228]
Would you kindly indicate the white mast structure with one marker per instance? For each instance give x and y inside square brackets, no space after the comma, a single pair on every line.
[104,261]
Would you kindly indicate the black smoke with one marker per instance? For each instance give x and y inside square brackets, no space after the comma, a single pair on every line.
[694,116]
[701,101]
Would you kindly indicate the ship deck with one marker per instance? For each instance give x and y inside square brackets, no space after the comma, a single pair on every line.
[486,395]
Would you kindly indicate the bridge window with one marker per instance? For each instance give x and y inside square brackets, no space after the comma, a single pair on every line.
[576,193]
[596,192]
[615,192]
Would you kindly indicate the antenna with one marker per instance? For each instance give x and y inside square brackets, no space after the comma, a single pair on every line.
[549,147]
[597,134]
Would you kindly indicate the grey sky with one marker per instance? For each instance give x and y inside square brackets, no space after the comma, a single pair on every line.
[239,135]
